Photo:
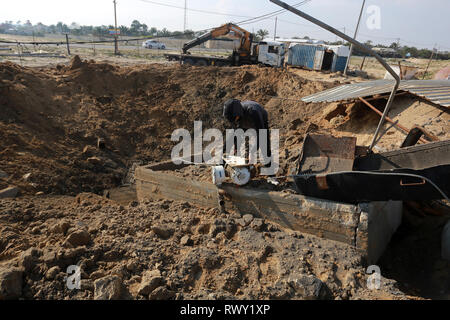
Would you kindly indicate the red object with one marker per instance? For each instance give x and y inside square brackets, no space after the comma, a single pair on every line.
[443,74]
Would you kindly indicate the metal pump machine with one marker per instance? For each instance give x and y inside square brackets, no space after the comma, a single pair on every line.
[236,169]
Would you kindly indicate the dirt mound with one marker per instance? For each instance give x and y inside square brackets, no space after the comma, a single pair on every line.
[49,116]
[79,128]
[167,250]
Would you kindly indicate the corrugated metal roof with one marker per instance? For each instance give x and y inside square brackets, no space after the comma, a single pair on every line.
[436,91]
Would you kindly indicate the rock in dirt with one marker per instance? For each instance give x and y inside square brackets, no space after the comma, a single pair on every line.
[89,151]
[162,232]
[307,286]
[150,281]
[94,161]
[79,238]
[10,192]
[186,241]
[61,227]
[28,258]
[257,224]
[97,275]
[10,283]
[241,222]
[75,63]
[161,293]
[107,288]
[52,273]
[248,218]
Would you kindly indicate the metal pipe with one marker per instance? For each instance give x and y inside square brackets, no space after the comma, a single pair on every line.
[356,33]
[398,125]
[361,47]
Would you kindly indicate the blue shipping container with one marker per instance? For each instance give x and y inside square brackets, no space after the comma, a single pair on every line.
[340,63]
[303,55]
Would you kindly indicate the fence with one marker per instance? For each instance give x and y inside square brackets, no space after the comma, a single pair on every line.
[23,49]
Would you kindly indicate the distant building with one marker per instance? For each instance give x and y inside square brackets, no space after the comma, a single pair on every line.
[387,52]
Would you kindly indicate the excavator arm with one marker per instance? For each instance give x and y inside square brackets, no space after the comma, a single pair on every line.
[229,28]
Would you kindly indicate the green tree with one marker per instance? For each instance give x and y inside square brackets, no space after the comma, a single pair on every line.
[124,30]
[261,34]
[135,27]
[394,45]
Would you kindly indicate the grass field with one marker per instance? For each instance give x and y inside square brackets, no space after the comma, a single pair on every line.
[376,71]
[132,52]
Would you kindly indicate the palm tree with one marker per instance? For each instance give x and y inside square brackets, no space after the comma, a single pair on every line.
[261,34]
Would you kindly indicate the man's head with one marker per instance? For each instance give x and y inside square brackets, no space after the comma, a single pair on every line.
[232,110]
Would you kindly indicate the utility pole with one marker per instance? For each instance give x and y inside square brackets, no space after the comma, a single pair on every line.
[275,32]
[356,33]
[67,43]
[185,15]
[429,62]
[116,47]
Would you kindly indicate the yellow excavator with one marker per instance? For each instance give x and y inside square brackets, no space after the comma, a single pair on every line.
[247,52]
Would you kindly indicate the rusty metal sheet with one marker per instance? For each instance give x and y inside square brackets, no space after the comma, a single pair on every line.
[324,154]
[436,91]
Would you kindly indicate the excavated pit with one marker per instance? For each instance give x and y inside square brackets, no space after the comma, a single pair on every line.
[50,123]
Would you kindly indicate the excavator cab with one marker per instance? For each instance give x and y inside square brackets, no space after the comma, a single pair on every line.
[271,53]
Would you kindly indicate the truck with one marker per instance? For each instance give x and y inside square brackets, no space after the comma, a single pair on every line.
[265,52]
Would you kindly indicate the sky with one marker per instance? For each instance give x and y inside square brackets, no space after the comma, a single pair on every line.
[419,23]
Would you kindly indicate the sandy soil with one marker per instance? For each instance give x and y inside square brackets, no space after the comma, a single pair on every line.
[375,70]
[168,250]
[50,122]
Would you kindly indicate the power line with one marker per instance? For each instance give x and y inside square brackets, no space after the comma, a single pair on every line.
[270,15]
[194,10]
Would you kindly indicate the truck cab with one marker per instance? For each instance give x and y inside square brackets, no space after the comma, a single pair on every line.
[271,53]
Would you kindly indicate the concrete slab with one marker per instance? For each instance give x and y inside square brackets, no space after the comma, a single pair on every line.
[378,222]
[368,226]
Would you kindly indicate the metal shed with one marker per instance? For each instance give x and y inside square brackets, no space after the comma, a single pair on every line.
[318,57]
[306,55]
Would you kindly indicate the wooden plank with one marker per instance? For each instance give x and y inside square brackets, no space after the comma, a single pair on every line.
[322,218]
[159,185]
